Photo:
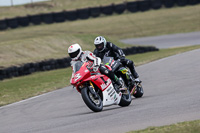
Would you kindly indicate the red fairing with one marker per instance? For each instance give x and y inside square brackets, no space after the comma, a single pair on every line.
[101,81]
[78,77]
[84,75]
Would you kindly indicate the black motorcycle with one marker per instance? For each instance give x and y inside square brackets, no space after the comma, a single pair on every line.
[123,73]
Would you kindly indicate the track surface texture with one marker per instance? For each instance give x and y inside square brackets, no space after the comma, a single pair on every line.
[167,41]
[171,95]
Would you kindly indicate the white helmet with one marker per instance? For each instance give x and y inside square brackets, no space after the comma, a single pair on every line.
[75,51]
[100,43]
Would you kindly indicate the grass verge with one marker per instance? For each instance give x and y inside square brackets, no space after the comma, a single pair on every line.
[16,89]
[18,52]
[183,127]
[36,43]
[52,6]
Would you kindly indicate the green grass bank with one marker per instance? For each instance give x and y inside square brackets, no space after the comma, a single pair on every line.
[182,127]
[36,43]
[53,6]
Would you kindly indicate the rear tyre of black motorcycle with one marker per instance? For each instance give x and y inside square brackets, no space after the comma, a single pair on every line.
[89,102]
[126,99]
[139,91]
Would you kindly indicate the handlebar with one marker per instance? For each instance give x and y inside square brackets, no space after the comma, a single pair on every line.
[89,68]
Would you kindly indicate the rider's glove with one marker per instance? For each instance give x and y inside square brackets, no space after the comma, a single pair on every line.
[120,58]
[95,68]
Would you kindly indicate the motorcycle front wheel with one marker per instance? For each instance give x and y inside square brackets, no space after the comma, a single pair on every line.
[125,99]
[95,104]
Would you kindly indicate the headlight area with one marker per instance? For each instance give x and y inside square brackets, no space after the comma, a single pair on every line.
[80,86]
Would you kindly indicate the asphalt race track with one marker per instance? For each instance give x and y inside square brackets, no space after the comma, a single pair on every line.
[167,41]
[172,94]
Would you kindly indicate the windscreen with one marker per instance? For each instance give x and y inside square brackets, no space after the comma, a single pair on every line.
[107,60]
[77,66]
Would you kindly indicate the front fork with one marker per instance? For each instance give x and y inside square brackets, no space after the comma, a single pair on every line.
[91,89]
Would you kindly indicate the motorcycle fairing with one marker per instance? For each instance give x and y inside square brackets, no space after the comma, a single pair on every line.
[101,81]
[110,96]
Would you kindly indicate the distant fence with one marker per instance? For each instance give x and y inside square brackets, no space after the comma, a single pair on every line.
[52,64]
[48,18]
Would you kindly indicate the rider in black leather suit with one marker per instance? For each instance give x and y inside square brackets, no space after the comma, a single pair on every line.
[109,49]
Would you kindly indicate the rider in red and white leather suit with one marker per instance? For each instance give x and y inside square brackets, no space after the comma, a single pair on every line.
[76,54]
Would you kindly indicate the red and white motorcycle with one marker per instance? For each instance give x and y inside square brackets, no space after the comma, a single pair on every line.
[97,90]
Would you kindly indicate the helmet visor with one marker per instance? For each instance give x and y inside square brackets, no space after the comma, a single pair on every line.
[100,46]
[74,54]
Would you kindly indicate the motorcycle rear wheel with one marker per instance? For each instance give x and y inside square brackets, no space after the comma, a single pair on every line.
[95,105]
[139,91]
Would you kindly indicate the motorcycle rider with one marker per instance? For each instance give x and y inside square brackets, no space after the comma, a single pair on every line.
[76,54]
[109,49]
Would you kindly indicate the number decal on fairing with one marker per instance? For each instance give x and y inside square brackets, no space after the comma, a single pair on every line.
[77,76]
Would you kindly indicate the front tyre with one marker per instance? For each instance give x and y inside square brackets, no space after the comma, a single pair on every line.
[95,104]
[125,99]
